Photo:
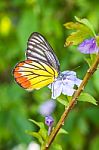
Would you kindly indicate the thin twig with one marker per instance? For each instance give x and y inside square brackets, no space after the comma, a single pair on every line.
[88,75]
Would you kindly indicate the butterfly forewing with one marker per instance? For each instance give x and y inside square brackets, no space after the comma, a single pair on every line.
[39,49]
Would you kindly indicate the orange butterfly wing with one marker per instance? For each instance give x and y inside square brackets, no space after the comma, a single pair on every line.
[33,74]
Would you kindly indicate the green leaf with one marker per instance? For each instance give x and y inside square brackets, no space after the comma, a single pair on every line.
[83,30]
[93,57]
[90,60]
[97,40]
[69,98]
[85,22]
[85,97]
[42,131]
[39,124]
[36,135]
[56,147]
[62,101]
[62,131]
[81,33]
[96,80]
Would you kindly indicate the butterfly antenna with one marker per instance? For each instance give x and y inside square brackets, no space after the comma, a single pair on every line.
[76,68]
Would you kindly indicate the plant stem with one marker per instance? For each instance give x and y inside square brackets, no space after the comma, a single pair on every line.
[87,76]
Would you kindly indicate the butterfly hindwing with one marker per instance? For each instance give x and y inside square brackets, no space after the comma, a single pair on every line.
[31,74]
[39,49]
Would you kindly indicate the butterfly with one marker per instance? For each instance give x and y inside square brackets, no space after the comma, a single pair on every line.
[41,66]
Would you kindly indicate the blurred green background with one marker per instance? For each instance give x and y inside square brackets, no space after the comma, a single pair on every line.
[18,19]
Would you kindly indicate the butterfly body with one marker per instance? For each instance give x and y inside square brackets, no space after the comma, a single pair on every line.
[41,67]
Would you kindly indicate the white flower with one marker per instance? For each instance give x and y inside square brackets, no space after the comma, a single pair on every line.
[33,146]
[64,84]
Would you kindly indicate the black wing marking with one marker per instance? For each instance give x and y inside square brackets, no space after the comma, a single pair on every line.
[33,71]
[39,49]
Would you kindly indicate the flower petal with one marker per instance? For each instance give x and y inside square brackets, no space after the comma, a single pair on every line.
[78,81]
[68,73]
[88,46]
[56,89]
[64,84]
[66,90]
[49,120]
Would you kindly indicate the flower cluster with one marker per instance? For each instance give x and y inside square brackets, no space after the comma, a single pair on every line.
[64,84]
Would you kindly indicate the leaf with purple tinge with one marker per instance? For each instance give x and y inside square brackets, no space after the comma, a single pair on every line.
[83,30]
[76,37]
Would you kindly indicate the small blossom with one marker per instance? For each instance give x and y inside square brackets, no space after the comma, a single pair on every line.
[88,46]
[45,110]
[49,122]
[64,84]
[47,107]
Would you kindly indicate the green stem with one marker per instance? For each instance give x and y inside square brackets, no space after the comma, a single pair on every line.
[88,75]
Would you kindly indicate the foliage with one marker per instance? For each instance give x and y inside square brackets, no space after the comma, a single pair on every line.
[18,19]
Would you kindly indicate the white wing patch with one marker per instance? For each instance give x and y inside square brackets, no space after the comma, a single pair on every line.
[39,49]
